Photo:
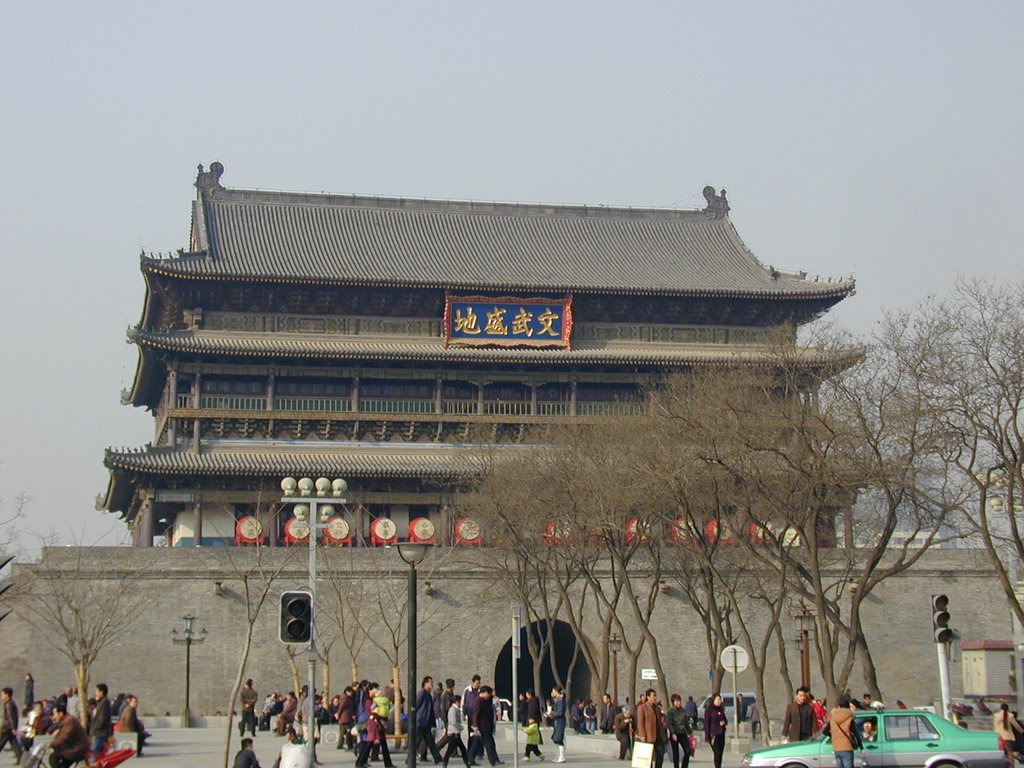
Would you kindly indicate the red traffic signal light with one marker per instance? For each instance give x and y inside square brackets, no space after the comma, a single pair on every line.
[940,619]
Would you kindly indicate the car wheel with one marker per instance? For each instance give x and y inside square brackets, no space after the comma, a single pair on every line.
[793,765]
[947,765]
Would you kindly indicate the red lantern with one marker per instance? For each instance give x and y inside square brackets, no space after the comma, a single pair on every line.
[756,533]
[296,531]
[467,532]
[421,530]
[248,530]
[637,531]
[383,531]
[337,532]
[680,531]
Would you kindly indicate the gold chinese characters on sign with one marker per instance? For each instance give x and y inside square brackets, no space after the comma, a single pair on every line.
[479,321]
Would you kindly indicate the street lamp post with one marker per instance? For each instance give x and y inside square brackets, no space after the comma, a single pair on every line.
[615,645]
[187,638]
[806,619]
[315,499]
[413,554]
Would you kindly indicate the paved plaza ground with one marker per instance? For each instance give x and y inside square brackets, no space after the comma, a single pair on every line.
[203,748]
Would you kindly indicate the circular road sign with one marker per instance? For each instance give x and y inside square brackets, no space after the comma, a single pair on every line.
[734,658]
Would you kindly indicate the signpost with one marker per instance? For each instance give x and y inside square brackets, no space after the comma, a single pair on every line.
[735,659]
[517,652]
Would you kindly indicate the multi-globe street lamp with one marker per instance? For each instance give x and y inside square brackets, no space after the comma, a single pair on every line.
[315,500]
[188,638]
[412,553]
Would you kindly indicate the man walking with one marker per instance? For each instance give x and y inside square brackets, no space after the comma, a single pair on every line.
[650,725]
[425,720]
[248,697]
[798,724]
[483,727]
[9,723]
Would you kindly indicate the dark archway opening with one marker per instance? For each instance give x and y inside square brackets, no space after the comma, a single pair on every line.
[564,648]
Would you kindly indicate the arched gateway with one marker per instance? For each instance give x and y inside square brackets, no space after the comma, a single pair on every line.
[570,664]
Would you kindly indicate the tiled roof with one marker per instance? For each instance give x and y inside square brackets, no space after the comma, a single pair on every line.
[330,459]
[310,238]
[316,347]
[986,645]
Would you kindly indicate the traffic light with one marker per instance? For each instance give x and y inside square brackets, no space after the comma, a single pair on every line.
[940,619]
[296,617]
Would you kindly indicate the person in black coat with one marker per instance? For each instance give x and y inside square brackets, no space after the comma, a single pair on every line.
[246,758]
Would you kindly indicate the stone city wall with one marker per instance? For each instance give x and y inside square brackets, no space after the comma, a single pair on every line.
[464,624]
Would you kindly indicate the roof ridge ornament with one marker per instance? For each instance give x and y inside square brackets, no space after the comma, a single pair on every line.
[208,181]
[717,206]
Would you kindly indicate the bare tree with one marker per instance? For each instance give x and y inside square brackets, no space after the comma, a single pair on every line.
[249,586]
[966,356]
[78,611]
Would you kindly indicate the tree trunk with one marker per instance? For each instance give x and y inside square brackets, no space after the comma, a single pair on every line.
[242,663]
[82,680]
[396,675]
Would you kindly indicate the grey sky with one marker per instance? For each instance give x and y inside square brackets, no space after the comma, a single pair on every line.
[880,139]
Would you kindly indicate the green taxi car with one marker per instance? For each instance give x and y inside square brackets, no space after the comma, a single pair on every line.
[892,739]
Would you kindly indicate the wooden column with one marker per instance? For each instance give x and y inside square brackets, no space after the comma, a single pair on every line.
[197,524]
[439,395]
[572,398]
[533,398]
[273,518]
[172,390]
[270,392]
[146,523]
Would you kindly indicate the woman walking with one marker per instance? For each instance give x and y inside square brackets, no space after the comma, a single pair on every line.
[679,732]
[558,721]
[715,723]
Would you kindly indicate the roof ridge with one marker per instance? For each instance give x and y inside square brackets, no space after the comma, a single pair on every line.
[456,206]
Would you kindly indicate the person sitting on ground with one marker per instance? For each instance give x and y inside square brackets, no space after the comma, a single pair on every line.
[246,758]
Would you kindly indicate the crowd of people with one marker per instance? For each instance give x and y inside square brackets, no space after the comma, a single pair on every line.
[59,716]
[461,725]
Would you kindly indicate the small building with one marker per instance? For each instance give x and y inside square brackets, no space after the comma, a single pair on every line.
[986,666]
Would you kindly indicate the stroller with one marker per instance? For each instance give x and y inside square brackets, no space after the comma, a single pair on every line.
[37,758]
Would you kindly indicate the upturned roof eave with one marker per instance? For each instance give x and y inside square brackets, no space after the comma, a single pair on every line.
[183,344]
[835,292]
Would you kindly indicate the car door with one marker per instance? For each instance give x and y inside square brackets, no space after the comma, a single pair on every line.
[872,754]
[910,740]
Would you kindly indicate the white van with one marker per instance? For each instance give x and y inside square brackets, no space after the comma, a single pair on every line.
[749,697]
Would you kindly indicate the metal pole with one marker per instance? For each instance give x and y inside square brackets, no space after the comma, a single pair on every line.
[516,620]
[735,707]
[615,674]
[1018,666]
[944,678]
[314,513]
[187,719]
[413,692]
[805,658]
